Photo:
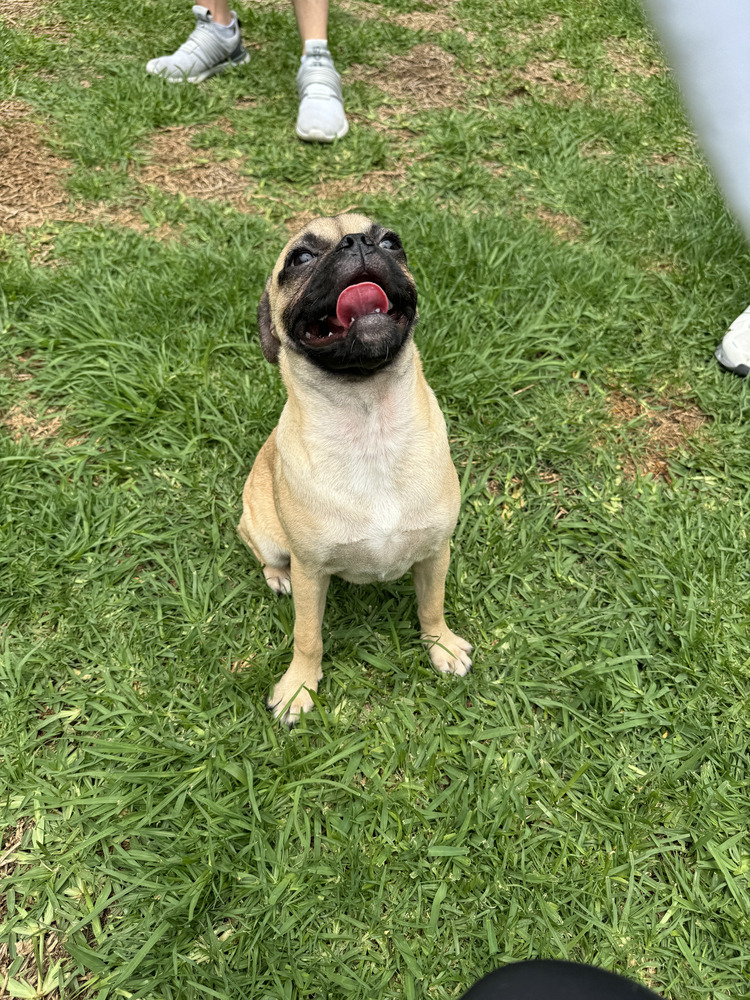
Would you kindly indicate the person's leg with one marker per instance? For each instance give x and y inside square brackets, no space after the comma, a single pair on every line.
[219,11]
[321,109]
[213,46]
[312,19]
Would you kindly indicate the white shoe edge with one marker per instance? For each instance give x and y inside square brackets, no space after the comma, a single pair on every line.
[210,71]
[733,353]
[316,135]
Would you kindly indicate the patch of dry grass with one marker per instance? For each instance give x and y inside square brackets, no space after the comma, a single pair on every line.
[554,80]
[345,194]
[652,432]
[425,77]
[625,56]
[32,179]
[431,20]
[176,166]
[24,422]
[534,33]
[16,12]
[32,185]
[564,226]
[25,15]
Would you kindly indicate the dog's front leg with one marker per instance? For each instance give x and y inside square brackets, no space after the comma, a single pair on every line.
[449,652]
[291,695]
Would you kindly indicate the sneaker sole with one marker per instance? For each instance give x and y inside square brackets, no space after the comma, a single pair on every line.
[741,370]
[207,73]
[315,136]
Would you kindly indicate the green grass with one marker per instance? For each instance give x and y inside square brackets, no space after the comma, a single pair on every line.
[583,793]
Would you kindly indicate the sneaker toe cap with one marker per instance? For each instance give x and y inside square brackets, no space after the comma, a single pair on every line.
[159,67]
[323,121]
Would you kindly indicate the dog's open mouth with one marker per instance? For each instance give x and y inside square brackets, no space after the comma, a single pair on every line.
[364,298]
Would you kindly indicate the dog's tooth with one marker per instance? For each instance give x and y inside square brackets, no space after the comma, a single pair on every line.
[377,310]
[307,334]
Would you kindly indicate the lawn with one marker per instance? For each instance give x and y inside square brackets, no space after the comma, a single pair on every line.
[583,794]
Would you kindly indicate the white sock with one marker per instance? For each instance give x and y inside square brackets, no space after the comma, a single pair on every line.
[227,29]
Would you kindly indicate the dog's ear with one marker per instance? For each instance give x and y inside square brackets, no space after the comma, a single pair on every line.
[269,340]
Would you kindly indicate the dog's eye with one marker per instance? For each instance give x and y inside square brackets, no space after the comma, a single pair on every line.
[390,242]
[302,257]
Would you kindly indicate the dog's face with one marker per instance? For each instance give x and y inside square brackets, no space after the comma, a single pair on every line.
[340,295]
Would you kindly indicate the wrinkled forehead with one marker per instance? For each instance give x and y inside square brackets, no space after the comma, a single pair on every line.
[327,232]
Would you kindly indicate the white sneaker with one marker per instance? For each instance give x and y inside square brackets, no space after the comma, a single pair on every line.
[210,49]
[321,104]
[734,350]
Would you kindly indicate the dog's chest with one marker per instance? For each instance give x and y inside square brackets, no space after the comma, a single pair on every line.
[383,492]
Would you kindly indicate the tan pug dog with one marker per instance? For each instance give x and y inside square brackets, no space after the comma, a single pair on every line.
[357,477]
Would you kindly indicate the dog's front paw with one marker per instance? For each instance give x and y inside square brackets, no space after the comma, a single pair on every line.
[291,697]
[449,653]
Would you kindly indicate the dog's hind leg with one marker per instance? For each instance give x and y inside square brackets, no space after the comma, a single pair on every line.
[259,525]
[449,652]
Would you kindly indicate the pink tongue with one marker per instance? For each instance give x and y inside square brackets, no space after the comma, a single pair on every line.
[359,300]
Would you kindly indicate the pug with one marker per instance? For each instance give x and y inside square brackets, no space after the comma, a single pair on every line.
[356,479]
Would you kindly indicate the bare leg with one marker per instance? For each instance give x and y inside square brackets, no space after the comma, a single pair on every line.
[449,652]
[291,695]
[312,19]
[219,11]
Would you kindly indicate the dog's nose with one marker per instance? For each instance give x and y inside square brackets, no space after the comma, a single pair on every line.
[356,241]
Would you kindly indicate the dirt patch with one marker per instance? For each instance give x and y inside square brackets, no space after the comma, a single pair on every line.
[31,182]
[345,194]
[14,111]
[418,20]
[360,8]
[432,21]
[24,15]
[32,186]
[534,33]
[23,422]
[426,77]
[632,57]
[565,227]
[18,369]
[16,12]
[667,160]
[653,431]
[176,166]
[551,79]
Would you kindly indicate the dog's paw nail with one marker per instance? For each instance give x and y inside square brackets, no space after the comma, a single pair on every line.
[289,700]
[450,655]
